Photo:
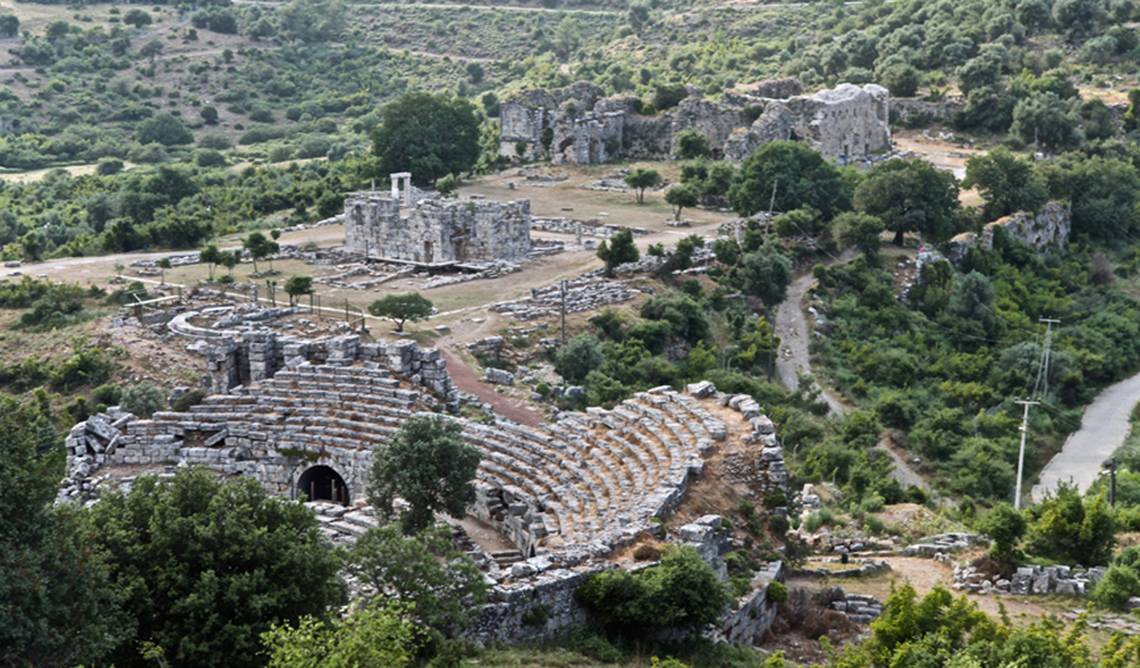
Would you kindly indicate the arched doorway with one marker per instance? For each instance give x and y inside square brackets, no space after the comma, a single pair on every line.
[322,483]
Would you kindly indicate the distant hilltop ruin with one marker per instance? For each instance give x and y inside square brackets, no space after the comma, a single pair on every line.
[410,225]
[577,125]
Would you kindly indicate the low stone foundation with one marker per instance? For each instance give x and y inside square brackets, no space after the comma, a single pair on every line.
[1030,580]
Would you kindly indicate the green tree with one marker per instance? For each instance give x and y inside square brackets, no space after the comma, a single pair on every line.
[765,273]
[971,302]
[209,115]
[618,249]
[1044,120]
[259,247]
[9,25]
[797,177]
[163,265]
[1005,527]
[567,37]
[430,136]
[1006,183]
[163,129]
[1103,194]
[581,355]
[680,197]
[429,466]
[640,179]
[58,606]
[1080,18]
[1118,584]
[208,566]
[33,244]
[137,18]
[682,591]
[109,167]
[229,260]
[150,50]
[691,144]
[401,308]
[900,78]
[312,21]
[1131,118]
[910,196]
[297,286]
[666,95]
[799,222]
[440,586]
[475,73]
[860,230]
[1072,530]
[379,634]
[687,318]
[447,185]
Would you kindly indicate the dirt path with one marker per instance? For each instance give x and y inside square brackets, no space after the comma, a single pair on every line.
[903,473]
[466,381]
[794,359]
[1104,427]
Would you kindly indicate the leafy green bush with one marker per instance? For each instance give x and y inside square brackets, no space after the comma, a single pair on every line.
[682,591]
[1117,585]
[143,399]
[258,548]
[1071,529]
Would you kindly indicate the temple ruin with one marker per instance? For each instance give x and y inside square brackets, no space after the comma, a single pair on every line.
[578,125]
[409,225]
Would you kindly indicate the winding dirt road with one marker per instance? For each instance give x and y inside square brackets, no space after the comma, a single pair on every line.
[794,361]
[1104,427]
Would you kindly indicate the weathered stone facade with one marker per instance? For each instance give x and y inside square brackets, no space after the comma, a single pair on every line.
[917,111]
[576,125]
[1049,227]
[435,231]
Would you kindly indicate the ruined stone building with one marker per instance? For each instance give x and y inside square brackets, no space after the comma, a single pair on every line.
[407,225]
[303,418]
[577,125]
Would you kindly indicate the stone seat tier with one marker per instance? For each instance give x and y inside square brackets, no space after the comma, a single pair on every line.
[376,376]
[567,487]
[318,398]
[688,411]
[491,472]
[598,455]
[394,396]
[563,462]
[594,477]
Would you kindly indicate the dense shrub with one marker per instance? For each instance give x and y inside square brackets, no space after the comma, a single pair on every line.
[682,591]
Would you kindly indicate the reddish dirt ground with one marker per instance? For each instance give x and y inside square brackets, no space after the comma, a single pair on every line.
[465,380]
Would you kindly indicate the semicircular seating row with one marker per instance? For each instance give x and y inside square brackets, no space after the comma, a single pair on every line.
[594,475]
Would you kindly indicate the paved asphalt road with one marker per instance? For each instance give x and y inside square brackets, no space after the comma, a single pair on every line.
[1104,427]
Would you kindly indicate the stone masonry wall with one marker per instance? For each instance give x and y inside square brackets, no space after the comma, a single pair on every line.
[1051,226]
[436,230]
[847,122]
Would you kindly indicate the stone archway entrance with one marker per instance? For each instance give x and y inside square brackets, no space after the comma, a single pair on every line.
[322,483]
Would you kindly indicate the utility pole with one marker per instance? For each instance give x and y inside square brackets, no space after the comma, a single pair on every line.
[1041,385]
[562,292]
[772,202]
[1021,451]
